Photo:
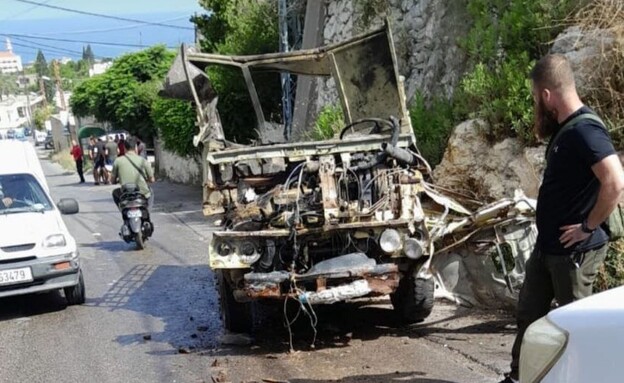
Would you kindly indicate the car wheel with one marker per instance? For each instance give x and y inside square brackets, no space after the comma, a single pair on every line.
[75,295]
[236,316]
[413,300]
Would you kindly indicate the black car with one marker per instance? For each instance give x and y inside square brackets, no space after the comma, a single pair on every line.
[48,143]
[10,134]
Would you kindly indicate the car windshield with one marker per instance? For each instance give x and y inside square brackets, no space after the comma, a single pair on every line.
[20,193]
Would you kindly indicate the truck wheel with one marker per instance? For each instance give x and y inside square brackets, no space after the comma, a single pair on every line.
[236,316]
[75,295]
[413,299]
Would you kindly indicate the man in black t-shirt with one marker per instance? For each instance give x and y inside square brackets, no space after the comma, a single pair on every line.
[583,182]
[99,162]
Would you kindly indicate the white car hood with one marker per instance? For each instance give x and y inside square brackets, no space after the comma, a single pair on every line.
[23,228]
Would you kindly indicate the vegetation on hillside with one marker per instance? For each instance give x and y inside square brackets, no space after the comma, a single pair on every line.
[125,93]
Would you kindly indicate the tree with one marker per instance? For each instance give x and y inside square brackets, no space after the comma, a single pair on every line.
[124,94]
[41,65]
[8,84]
[87,55]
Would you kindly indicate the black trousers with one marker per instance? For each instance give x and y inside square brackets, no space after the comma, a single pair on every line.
[548,276]
[79,169]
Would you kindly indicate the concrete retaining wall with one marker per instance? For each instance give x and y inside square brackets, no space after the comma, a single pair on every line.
[186,170]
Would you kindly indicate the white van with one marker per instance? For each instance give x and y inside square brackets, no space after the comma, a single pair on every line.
[37,252]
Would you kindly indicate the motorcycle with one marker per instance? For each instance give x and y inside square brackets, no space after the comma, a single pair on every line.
[137,225]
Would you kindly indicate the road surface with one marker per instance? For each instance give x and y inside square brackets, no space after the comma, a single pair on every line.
[152,316]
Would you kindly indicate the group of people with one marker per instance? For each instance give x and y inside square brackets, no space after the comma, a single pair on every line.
[126,159]
[103,153]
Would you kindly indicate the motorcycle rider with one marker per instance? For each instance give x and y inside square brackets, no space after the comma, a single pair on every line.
[131,169]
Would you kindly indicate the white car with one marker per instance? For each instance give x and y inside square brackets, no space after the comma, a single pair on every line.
[40,137]
[577,343]
[37,252]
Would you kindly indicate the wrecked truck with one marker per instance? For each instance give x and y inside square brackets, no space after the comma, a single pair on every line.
[357,215]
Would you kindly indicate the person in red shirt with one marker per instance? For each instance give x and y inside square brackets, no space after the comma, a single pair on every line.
[76,152]
[121,146]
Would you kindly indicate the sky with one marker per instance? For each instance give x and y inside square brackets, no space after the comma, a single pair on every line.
[29,24]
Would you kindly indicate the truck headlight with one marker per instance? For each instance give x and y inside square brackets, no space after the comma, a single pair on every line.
[248,253]
[542,346]
[390,241]
[413,248]
[54,240]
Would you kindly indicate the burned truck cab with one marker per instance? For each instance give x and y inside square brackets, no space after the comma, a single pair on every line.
[353,216]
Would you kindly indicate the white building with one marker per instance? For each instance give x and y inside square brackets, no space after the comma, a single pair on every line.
[14,111]
[99,68]
[9,61]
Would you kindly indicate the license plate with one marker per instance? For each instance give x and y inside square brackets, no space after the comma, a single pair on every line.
[13,276]
[134,214]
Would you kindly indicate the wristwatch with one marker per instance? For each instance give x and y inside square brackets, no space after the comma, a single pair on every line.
[585,228]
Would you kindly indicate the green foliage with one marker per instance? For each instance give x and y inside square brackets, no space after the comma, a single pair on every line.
[87,55]
[40,115]
[502,97]
[611,273]
[8,83]
[241,27]
[175,120]
[329,122]
[41,65]
[432,123]
[124,94]
[505,39]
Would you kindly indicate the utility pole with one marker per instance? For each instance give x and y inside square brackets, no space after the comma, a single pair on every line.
[57,75]
[282,6]
[43,92]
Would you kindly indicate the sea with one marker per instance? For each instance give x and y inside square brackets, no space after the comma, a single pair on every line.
[94,31]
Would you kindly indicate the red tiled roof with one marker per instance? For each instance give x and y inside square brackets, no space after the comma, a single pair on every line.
[6,54]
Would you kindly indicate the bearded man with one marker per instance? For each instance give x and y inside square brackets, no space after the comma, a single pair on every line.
[583,182]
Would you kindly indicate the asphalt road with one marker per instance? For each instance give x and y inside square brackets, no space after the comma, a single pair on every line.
[152,316]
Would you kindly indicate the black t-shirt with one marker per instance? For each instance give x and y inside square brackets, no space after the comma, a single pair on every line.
[569,189]
[101,151]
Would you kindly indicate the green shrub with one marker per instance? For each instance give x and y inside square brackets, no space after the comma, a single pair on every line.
[502,97]
[432,123]
[175,121]
[611,273]
[505,39]
[329,122]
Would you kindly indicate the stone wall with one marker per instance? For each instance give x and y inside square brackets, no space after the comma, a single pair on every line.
[425,35]
[187,170]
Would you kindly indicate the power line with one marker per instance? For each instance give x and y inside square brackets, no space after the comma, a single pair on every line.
[50,50]
[17,35]
[131,26]
[25,11]
[42,44]
[102,15]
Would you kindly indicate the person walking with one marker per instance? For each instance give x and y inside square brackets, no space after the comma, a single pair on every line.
[583,182]
[141,150]
[76,152]
[121,146]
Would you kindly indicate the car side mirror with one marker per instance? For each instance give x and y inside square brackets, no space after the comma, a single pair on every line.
[68,206]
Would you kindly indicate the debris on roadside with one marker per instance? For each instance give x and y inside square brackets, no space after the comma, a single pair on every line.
[147,337]
[235,339]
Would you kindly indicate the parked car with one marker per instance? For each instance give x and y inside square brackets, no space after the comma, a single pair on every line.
[40,137]
[49,142]
[10,135]
[577,343]
[38,253]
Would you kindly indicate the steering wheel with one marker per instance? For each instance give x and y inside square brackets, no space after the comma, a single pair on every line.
[366,126]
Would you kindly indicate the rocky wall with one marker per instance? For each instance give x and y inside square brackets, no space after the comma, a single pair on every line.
[425,32]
